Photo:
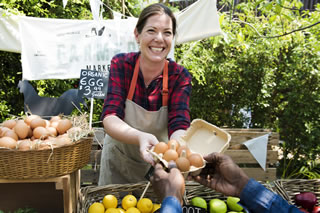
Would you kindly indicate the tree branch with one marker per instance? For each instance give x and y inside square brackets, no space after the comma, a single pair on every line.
[277,36]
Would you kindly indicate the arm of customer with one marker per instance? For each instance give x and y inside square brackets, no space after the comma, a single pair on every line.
[223,175]
[120,130]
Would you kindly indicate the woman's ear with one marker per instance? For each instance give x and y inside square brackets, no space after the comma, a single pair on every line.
[136,35]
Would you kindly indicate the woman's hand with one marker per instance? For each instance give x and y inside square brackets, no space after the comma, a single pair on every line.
[146,142]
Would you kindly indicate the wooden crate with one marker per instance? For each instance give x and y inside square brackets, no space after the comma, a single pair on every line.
[241,155]
[46,195]
[238,152]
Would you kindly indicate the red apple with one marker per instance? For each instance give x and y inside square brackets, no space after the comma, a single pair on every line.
[303,210]
[306,200]
[316,209]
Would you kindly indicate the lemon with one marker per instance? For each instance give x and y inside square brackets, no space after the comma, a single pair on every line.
[110,201]
[145,205]
[121,210]
[112,210]
[133,210]
[96,208]
[199,202]
[129,201]
[156,206]
[217,206]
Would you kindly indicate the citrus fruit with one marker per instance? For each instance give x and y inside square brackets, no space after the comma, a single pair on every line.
[112,210]
[156,206]
[199,202]
[233,205]
[128,201]
[217,206]
[121,210]
[133,210]
[110,201]
[145,205]
[96,208]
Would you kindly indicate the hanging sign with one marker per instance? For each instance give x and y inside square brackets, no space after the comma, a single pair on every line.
[93,84]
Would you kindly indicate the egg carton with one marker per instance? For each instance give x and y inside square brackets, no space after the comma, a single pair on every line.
[203,138]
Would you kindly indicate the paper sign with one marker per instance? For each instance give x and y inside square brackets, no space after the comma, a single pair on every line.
[258,148]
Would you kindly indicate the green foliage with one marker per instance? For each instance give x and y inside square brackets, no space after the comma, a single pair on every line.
[253,67]
[263,62]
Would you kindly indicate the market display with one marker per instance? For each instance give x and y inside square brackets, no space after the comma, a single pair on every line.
[128,204]
[36,133]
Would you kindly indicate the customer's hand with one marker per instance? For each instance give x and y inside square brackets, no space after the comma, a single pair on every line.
[222,175]
[168,183]
[146,142]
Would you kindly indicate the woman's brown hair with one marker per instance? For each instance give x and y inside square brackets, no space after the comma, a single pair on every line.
[155,9]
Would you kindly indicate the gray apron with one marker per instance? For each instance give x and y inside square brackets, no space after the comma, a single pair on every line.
[120,162]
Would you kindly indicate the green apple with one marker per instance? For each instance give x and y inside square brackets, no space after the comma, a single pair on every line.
[199,202]
[217,206]
[233,205]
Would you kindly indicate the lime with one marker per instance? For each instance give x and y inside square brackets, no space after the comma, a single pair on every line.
[199,202]
[233,205]
[217,206]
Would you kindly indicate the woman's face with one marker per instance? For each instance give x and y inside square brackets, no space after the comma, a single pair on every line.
[155,38]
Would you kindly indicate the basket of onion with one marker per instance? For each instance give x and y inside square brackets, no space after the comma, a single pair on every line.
[32,147]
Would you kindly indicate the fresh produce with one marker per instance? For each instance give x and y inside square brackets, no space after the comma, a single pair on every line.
[110,201]
[96,207]
[232,203]
[128,201]
[217,206]
[145,205]
[199,202]
[316,209]
[306,200]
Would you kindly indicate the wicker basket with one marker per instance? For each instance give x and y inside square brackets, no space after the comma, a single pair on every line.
[288,188]
[34,164]
[91,194]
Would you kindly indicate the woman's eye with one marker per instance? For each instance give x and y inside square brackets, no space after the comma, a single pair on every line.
[151,31]
[168,33]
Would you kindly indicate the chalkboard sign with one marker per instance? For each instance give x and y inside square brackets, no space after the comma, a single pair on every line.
[93,84]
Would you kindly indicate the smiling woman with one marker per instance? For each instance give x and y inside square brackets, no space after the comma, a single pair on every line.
[147,100]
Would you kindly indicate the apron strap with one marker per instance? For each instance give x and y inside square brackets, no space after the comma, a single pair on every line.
[165,90]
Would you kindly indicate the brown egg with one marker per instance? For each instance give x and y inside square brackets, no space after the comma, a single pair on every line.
[24,145]
[175,142]
[52,131]
[54,124]
[63,126]
[9,123]
[196,160]
[182,162]
[62,141]
[38,122]
[184,147]
[3,131]
[40,133]
[29,118]
[10,133]
[170,155]
[8,142]
[21,129]
[55,118]
[160,147]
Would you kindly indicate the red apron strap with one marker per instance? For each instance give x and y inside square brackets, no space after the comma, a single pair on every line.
[165,91]
[134,79]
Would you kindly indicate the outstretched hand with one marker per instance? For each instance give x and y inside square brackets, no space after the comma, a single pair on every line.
[222,175]
[168,183]
[146,142]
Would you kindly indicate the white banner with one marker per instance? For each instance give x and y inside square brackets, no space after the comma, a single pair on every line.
[59,49]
